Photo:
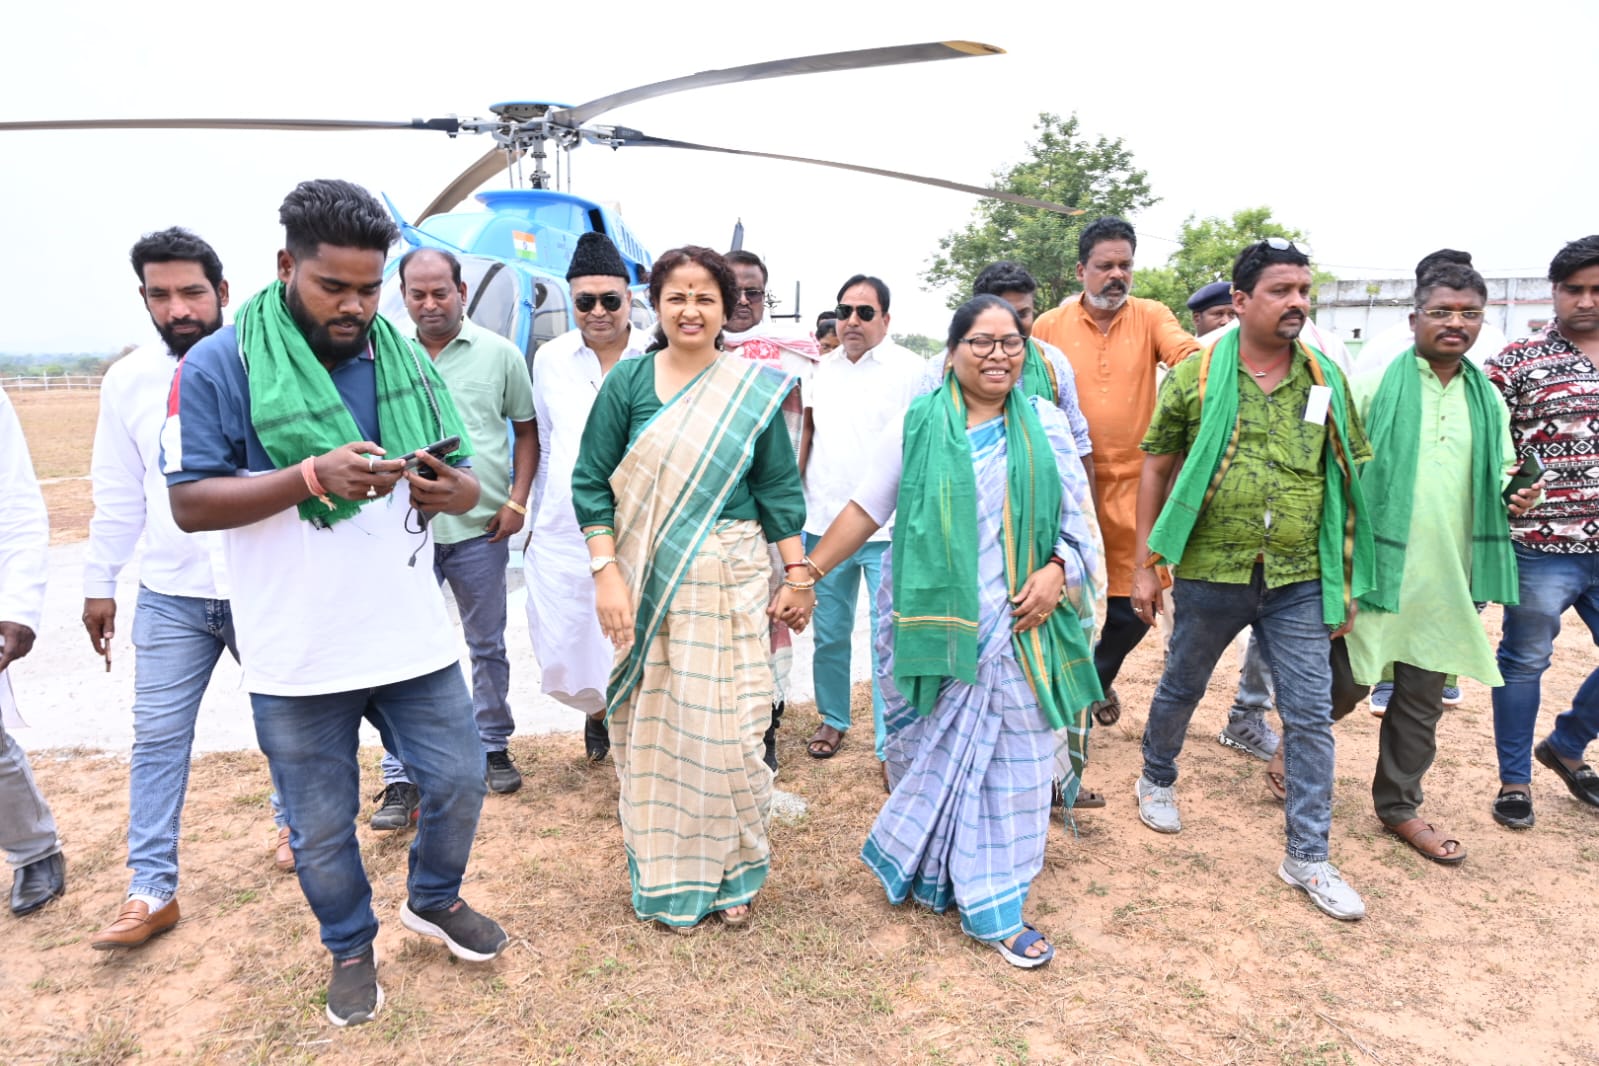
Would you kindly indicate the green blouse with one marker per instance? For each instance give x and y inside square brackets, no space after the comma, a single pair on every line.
[769,493]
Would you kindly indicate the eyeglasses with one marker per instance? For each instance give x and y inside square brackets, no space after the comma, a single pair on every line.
[1283,244]
[866,312]
[1445,314]
[982,345]
[753,296]
[584,302]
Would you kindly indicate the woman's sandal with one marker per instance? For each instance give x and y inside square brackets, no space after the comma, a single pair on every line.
[738,921]
[1015,952]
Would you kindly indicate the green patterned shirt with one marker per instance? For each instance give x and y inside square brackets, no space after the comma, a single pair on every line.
[1269,503]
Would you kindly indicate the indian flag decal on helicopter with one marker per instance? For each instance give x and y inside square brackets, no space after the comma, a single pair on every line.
[526,244]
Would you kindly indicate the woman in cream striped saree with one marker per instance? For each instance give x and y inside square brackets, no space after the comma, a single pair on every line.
[684,473]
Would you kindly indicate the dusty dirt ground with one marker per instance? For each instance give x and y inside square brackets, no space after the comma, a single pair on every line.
[1171,949]
[59,425]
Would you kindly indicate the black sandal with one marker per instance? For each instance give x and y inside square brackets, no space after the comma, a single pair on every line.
[1107,711]
[1513,810]
[596,739]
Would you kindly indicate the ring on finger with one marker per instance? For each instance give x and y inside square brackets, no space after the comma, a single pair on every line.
[371,464]
[371,491]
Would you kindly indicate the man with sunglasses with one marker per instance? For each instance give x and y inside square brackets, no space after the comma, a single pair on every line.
[751,337]
[1114,341]
[574,656]
[864,384]
[489,380]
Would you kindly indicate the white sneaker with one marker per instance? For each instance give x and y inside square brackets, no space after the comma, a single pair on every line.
[1325,886]
[1157,806]
[1380,694]
[1452,696]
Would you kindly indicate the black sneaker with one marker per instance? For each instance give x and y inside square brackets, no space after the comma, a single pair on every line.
[596,738]
[502,775]
[465,932]
[353,993]
[399,805]
[770,740]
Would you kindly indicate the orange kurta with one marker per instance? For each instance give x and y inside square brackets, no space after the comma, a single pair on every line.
[1116,390]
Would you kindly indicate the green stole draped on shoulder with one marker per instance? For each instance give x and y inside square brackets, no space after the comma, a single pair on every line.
[1038,377]
[935,557]
[1389,482]
[1344,544]
[297,410]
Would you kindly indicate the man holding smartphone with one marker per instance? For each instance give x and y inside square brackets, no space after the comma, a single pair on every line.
[1551,386]
[280,433]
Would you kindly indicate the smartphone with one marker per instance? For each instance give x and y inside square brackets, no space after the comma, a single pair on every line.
[1531,470]
[440,451]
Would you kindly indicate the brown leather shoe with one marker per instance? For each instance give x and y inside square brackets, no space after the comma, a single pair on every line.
[284,858]
[135,925]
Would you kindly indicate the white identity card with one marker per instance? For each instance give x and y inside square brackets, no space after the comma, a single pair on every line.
[1316,406]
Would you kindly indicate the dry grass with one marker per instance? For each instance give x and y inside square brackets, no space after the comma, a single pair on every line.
[59,425]
[1171,949]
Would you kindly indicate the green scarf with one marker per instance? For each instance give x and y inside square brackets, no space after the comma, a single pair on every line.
[297,411]
[936,549]
[1344,543]
[1389,482]
[1037,377]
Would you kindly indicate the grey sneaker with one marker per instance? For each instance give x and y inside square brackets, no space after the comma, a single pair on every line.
[501,773]
[353,993]
[1157,806]
[1325,886]
[399,805]
[1250,734]
[468,934]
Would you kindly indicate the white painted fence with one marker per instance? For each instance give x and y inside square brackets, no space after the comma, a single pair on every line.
[57,381]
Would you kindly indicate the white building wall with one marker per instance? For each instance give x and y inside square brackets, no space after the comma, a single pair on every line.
[1358,309]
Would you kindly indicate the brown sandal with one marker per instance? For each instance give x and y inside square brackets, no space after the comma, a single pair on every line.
[1423,836]
[1277,777]
[823,746]
[1107,711]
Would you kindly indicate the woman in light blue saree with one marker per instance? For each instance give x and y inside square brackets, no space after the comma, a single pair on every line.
[986,668]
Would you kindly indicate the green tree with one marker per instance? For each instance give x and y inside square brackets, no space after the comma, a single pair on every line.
[920,343]
[1063,165]
[1205,252]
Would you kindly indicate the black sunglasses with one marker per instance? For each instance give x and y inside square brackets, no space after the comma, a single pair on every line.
[584,302]
[866,312]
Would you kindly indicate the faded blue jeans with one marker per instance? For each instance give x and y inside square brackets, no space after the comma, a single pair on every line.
[833,624]
[475,570]
[1550,584]
[1287,621]
[177,641]
[1254,685]
[311,745]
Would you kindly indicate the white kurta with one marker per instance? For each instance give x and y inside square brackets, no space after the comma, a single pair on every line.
[574,657]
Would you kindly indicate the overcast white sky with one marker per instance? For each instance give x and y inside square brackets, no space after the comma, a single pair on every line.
[1386,130]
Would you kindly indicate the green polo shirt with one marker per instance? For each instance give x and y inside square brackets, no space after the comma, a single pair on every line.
[1268,505]
[489,382]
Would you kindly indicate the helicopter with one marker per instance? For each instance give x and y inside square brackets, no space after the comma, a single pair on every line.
[515,250]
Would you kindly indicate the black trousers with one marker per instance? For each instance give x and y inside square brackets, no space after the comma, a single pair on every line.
[1123,630]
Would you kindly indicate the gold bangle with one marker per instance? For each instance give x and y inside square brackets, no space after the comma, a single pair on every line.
[818,571]
[518,508]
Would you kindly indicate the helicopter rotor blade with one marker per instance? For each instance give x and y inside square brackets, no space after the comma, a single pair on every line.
[490,164]
[777,68]
[451,126]
[621,137]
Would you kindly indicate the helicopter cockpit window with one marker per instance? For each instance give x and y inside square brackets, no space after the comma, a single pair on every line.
[551,315]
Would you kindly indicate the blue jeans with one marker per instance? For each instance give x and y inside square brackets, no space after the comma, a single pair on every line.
[311,744]
[1550,584]
[177,641]
[1287,622]
[834,626]
[475,570]
[1254,685]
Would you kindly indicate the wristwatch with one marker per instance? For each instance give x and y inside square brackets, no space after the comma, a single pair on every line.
[600,562]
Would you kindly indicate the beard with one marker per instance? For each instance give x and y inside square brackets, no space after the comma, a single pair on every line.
[180,343]
[1109,298]
[323,346]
